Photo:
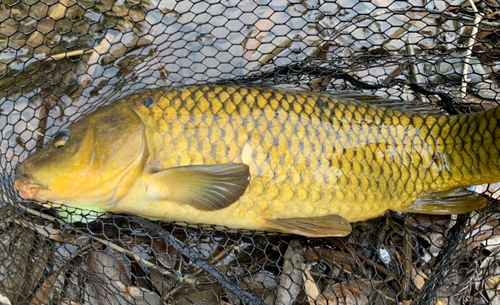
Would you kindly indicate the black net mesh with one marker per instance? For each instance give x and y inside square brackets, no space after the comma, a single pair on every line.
[63,59]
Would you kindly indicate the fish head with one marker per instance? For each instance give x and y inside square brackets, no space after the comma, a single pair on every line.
[89,162]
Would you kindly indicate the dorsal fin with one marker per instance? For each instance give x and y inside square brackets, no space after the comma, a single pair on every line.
[394,104]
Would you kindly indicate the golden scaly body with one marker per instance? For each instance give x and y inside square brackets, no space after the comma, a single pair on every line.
[309,154]
[315,161]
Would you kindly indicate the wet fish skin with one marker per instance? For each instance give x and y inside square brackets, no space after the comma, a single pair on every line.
[309,155]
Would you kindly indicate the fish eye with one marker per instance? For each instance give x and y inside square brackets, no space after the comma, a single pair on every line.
[61,138]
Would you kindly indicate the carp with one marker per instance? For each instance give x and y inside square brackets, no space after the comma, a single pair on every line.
[307,163]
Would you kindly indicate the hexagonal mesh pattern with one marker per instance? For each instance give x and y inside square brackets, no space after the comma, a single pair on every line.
[61,60]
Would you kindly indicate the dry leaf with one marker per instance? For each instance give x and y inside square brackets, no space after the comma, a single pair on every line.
[43,293]
[111,272]
[442,301]
[67,302]
[352,292]
[293,268]
[349,293]
[165,254]
[418,277]
[310,287]
[53,233]
[57,11]
[4,300]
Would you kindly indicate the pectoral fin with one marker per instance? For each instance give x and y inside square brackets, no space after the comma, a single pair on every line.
[321,226]
[205,187]
[457,201]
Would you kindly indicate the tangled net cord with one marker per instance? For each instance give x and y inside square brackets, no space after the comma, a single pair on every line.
[245,296]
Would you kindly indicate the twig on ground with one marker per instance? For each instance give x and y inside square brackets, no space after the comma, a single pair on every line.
[468,53]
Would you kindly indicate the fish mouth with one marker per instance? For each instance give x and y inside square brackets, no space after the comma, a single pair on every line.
[27,188]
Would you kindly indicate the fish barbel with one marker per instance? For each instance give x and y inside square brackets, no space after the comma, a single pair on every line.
[306,163]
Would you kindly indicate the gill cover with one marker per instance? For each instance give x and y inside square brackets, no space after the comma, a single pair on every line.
[96,160]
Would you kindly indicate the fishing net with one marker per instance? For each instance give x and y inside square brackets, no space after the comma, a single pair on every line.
[63,59]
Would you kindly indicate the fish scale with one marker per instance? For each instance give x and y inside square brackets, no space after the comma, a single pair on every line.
[385,174]
[309,154]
